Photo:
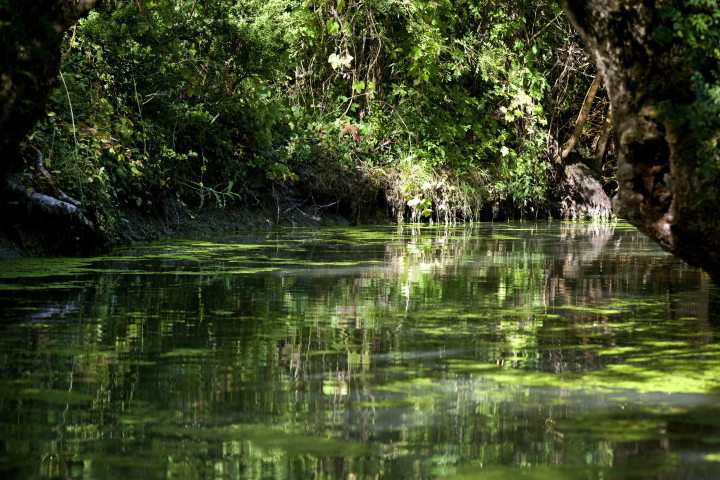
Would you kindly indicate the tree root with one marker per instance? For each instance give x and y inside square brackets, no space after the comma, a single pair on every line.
[44,206]
[49,224]
[57,193]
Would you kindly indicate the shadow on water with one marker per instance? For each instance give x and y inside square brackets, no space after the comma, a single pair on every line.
[549,350]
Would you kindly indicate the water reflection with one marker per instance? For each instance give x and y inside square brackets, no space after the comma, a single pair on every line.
[550,350]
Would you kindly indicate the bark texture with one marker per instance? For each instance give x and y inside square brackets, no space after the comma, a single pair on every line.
[659,187]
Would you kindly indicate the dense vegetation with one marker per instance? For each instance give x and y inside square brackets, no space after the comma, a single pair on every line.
[443,105]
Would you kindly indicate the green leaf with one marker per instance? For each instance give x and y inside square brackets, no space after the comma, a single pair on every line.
[332,27]
[358,86]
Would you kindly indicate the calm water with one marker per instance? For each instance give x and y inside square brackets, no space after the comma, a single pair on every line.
[538,351]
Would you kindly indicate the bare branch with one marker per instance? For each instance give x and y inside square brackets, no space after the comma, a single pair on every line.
[580,123]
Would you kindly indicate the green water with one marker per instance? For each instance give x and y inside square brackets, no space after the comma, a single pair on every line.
[535,351]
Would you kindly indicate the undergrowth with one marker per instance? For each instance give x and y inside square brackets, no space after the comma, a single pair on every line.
[438,111]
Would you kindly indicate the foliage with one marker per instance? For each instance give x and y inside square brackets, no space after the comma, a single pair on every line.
[695,26]
[166,100]
[190,99]
[419,81]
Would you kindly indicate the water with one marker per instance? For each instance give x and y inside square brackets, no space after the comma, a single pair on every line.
[538,351]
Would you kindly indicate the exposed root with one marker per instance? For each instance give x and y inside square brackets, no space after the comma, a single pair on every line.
[577,195]
[57,193]
[46,224]
[46,208]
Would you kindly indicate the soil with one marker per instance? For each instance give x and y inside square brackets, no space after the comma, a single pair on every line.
[574,193]
[177,219]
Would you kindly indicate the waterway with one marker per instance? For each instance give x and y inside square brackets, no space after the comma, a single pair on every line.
[511,350]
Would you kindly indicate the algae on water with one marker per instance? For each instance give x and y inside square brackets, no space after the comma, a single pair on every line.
[537,350]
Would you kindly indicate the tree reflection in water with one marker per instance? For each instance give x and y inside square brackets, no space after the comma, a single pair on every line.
[551,350]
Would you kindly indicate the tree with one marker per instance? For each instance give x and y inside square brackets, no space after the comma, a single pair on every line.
[659,61]
[29,65]
[31,34]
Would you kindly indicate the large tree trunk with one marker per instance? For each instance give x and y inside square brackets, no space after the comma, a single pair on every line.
[31,32]
[660,191]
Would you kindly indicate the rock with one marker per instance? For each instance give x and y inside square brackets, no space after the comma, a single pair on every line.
[577,194]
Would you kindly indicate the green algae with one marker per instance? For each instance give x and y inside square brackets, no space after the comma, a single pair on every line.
[69,285]
[42,267]
[528,350]
[187,352]
[60,397]
[271,439]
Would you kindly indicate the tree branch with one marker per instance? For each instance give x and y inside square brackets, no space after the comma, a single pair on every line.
[580,123]
[602,141]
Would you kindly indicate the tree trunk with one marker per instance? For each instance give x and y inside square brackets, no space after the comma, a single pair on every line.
[602,141]
[660,191]
[29,66]
[580,123]
[30,39]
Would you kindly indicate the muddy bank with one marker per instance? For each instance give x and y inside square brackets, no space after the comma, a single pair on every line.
[180,220]
[574,193]
[175,219]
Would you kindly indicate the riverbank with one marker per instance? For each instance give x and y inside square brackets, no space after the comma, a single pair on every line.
[179,220]
[322,197]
